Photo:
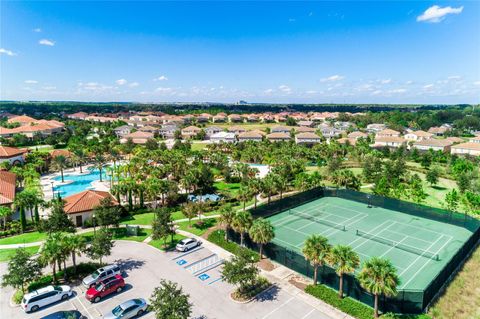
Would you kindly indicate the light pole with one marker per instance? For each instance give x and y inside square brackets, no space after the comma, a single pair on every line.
[94,230]
[53,190]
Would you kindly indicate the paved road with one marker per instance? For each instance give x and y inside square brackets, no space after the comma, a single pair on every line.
[145,266]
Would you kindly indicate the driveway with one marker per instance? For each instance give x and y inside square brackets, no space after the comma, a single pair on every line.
[145,266]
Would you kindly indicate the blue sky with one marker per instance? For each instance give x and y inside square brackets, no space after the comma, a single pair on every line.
[320,52]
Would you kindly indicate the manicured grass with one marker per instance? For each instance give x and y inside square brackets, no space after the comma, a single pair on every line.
[231,188]
[147,218]
[121,233]
[198,146]
[23,238]
[461,299]
[198,228]
[6,254]
[159,244]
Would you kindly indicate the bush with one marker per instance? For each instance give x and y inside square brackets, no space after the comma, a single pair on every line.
[351,306]
[18,296]
[250,291]
[218,237]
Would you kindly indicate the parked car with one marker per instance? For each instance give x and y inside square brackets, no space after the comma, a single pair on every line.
[105,288]
[187,244]
[101,274]
[69,314]
[34,300]
[128,309]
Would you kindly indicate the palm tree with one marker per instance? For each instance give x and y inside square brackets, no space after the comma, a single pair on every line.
[344,260]
[226,218]
[75,245]
[379,277]
[242,221]
[244,195]
[255,187]
[99,162]
[261,233]
[316,250]
[22,202]
[51,252]
[4,213]
[59,163]
[268,186]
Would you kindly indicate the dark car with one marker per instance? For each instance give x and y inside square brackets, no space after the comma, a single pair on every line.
[105,288]
[70,314]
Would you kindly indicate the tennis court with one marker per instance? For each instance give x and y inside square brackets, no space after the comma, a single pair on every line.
[418,247]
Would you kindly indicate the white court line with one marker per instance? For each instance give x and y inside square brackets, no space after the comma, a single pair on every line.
[313,222]
[308,314]
[416,259]
[424,229]
[282,305]
[390,249]
[371,233]
[281,220]
[288,244]
[425,264]
[348,224]
[416,238]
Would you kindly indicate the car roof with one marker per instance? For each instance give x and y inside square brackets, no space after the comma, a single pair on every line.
[128,303]
[39,292]
[116,277]
[107,267]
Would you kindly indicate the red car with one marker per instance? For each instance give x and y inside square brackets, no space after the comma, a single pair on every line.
[104,288]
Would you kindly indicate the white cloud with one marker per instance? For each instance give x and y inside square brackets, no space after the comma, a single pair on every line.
[285,89]
[311,92]
[376,92]
[121,82]
[163,90]
[333,78]
[436,14]
[37,30]
[409,82]
[30,82]
[398,91]
[7,52]
[161,78]
[476,83]
[134,84]
[46,42]
[49,88]
[268,91]
[428,86]
[386,81]
[455,77]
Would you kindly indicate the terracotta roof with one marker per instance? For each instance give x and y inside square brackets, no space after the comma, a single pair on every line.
[455,139]
[390,139]
[6,131]
[279,135]
[191,128]
[259,132]
[85,201]
[22,119]
[303,129]
[140,134]
[350,140]
[436,130]
[250,134]
[469,146]
[307,135]
[357,134]
[7,152]
[7,187]
[388,131]
[434,143]
[65,153]
[280,128]
[421,133]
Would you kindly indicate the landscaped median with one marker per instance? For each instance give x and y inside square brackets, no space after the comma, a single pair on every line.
[121,233]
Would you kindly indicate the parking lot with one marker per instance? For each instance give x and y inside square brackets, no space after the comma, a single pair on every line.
[198,272]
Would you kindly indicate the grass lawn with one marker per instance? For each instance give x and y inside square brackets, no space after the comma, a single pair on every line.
[23,238]
[198,146]
[461,299]
[247,126]
[231,188]
[198,229]
[121,233]
[6,254]
[159,244]
[147,218]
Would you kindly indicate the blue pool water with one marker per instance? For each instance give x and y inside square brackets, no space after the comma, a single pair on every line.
[80,182]
[257,165]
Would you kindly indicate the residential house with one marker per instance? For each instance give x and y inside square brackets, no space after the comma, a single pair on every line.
[80,207]
[278,137]
[203,118]
[418,136]
[149,129]
[219,118]
[190,131]
[12,155]
[455,140]
[357,135]
[307,138]
[137,137]
[64,153]
[252,117]
[78,116]
[389,141]
[223,137]
[22,120]
[6,132]
[250,136]
[387,133]
[306,123]
[168,130]
[7,188]
[236,129]
[123,130]
[304,129]
[347,140]
[443,145]
[343,125]
[281,129]
[438,130]
[472,147]
[328,131]
[235,118]
[375,127]
[210,130]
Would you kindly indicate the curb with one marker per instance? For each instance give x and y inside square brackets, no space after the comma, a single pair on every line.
[251,299]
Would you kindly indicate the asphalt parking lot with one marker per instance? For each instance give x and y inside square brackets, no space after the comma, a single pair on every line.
[144,267]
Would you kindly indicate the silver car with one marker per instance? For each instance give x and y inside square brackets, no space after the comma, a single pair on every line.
[187,244]
[100,274]
[128,309]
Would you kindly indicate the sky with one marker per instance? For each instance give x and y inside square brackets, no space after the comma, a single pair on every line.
[264,51]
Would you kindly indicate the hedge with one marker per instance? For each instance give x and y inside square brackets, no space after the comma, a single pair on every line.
[83,269]
[218,237]
[351,306]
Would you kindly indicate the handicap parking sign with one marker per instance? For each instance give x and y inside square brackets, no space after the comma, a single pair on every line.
[181,262]
[203,277]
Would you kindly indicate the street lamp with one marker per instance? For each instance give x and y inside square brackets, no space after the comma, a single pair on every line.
[53,190]
[94,230]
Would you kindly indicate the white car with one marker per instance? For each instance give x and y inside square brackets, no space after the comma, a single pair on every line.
[187,244]
[100,274]
[34,300]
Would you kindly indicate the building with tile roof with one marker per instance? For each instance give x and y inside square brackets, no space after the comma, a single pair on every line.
[7,188]
[12,154]
[79,207]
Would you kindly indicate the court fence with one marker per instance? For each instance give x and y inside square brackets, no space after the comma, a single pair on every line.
[406,301]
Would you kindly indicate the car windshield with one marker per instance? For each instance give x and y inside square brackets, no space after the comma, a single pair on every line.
[99,287]
[57,288]
[117,311]
[183,242]
[95,274]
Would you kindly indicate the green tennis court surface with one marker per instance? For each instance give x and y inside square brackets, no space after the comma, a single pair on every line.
[418,247]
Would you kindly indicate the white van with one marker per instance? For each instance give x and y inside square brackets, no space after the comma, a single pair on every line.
[45,296]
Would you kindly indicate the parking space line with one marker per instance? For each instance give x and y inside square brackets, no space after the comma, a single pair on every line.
[216,280]
[188,252]
[274,310]
[309,313]
[89,315]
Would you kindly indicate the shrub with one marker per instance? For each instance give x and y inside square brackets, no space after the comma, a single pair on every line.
[218,237]
[18,296]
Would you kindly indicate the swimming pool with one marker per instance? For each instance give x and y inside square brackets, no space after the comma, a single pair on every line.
[80,182]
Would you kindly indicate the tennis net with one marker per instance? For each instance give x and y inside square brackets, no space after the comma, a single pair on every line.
[398,245]
[318,220]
